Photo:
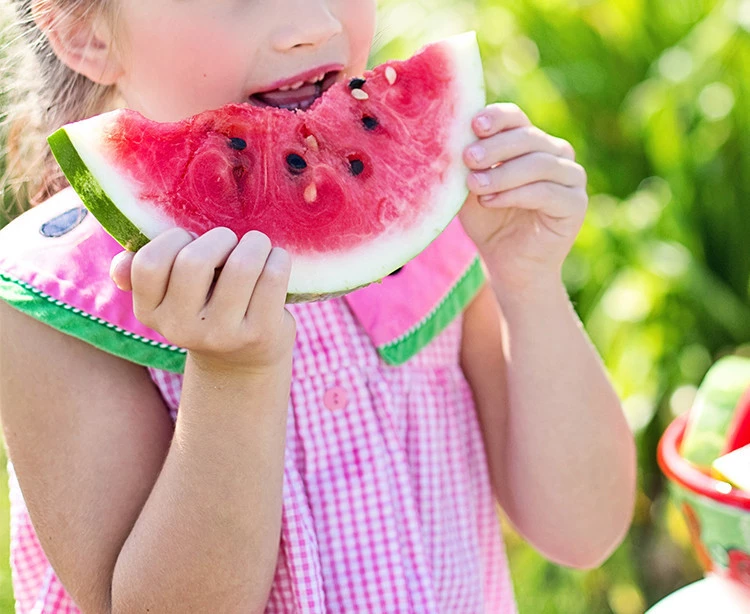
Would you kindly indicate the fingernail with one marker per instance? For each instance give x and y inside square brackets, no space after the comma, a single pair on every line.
[477,153]
[482,179]
[113,266]
[483,123]
[116,261]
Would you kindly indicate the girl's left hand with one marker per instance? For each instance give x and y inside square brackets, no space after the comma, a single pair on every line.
[527,197]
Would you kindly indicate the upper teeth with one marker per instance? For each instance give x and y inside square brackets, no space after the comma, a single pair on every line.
[299,84]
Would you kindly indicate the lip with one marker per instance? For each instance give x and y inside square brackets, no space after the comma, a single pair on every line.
[303,76]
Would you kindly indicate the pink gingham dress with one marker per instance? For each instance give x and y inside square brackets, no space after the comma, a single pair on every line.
[387,505]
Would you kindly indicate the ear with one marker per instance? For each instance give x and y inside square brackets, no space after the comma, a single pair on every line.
[83,43]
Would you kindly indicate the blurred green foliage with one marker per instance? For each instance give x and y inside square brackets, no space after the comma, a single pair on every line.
[652,93]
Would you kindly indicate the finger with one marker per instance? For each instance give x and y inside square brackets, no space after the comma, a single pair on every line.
[151,267]
[120,270]
[236,283]
[513,144]
[530,168]
[194,271]
[552,199]
[499,117]
[266,307]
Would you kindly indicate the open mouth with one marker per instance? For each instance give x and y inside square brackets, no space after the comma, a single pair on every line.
[297,96]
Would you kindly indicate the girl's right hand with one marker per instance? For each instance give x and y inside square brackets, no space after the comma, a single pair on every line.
[235,320]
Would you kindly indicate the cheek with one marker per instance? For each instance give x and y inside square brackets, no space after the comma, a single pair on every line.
[192,70]
[359,18]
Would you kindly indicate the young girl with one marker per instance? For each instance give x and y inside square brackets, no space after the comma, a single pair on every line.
[287,459]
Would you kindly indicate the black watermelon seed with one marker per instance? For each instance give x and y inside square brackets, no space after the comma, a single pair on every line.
[397,271]
[296,163]
[370,122]
[238,143]
[358,167]
[356,84]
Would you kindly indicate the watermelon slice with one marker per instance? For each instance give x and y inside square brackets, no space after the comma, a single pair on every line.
[353,187]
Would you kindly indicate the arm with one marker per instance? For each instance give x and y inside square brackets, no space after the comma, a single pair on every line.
[164,522]
[560,453]
[214,514]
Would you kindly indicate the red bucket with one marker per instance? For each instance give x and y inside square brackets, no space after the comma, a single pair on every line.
[717,515]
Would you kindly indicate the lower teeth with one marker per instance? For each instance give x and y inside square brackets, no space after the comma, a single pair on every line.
[305,104]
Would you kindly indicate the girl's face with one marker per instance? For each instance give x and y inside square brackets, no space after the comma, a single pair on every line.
[180,57]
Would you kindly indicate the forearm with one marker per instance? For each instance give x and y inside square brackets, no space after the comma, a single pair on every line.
[568,470]
[208,537]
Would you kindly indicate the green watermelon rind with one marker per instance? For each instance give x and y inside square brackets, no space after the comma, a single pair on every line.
[713,408]
[92,194]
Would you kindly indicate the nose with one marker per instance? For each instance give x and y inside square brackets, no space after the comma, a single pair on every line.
[309,23]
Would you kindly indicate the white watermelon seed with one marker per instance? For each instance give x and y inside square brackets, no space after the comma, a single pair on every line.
[311,193]
[390,74]
[360,94]
[312,143]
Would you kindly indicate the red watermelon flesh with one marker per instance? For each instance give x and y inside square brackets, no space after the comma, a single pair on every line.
[353,187]
[738,434]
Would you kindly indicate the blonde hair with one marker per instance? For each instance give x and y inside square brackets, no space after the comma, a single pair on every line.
[41,94]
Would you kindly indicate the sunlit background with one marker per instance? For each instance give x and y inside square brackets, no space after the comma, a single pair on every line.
[654,96]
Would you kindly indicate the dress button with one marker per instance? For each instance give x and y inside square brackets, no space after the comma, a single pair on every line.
[336,398]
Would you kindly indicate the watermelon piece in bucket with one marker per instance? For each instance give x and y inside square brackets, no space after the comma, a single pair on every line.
[734,468]
[738,434]
[713,410]
[354,187]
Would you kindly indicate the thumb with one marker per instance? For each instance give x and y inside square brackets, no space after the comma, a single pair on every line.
[479,222]
[120,269]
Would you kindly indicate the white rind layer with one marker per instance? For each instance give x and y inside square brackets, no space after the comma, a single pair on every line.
[332,272]
[86,136]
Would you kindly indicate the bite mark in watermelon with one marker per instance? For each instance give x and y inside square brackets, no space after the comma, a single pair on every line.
[353,187]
